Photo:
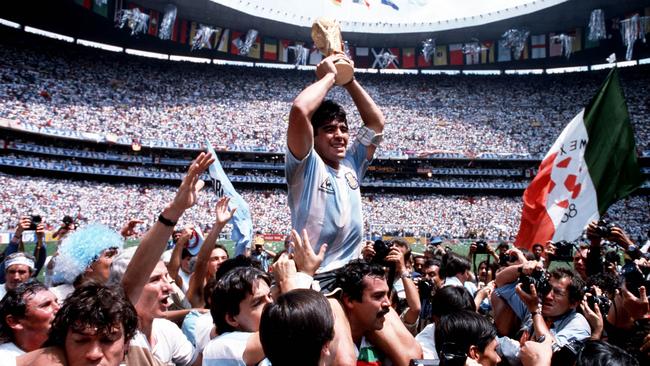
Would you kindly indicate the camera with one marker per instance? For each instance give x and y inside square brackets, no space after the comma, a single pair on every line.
[598,300]
[481,247]
[382,249]
[68,220]
[633,277]
[604,228]
[505,258]
[539,279]
[563,251]
[35,221]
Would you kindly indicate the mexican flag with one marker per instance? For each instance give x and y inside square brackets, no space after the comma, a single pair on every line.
[591,165]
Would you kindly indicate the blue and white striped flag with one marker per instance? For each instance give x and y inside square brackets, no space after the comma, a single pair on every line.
[242,231]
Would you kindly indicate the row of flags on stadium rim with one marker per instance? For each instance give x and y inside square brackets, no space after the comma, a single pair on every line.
[538,46]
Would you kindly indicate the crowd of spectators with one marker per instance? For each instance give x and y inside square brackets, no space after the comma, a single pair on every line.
[490,217]
[81,89]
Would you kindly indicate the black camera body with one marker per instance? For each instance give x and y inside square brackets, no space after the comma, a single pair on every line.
[563,251]
[68,220]
[35,221]
[481,247]
[599,300]
[604,228]
[382,249]
[633,277]
[539,278]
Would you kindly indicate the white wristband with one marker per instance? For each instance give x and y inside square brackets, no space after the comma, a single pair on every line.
[368,136]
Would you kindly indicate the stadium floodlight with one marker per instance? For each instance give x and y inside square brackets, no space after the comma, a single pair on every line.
[45,33]
[482,72]
[160,56]
[198,60]
[274,66]
[440,72]
[562,70]
[524,72]
[9,23]
[644,61]
[103,46]
[236,63]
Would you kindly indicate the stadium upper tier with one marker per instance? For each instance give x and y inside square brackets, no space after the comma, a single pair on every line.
[72,88]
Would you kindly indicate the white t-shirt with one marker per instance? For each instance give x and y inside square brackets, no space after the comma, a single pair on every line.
[426,339]
[197,328]
[171,348]
[3,291]
[9,352]
[226,349]
[186,280]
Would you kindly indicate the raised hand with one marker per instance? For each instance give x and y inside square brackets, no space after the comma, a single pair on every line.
[129,228]
[223,214]
[187,193]
[303,254]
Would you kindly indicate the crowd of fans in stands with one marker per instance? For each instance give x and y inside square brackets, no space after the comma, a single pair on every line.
[83,90]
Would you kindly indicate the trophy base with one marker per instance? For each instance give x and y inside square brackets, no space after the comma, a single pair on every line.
[344,72]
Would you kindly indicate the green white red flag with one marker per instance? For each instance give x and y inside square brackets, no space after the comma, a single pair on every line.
[591,165]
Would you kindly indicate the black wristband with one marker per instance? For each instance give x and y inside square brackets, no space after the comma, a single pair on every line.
[165,221]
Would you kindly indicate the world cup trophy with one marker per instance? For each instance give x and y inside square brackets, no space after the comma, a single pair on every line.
[326,34]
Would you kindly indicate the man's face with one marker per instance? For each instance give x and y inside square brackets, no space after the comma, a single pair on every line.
[89,348]
[418,263]
[433,273]
[579,262]
[185,264]
[155,298]
[557,301]
[101,268]
[217,257]
[15,275]
[331,142]
[369,313]
[40,310]
[489,356]
[250,309]
[537,251]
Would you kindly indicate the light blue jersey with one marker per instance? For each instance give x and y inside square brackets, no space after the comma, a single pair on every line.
[327,203]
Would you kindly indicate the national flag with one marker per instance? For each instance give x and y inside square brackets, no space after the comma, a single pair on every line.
[503,52]
[538,45]
[390,3]
[456,54]
[362,57]
[194,27]
[487,52]
[256,48]
[284,50]
[554,46]
[242,224]
[175,30]
[524,53]
[364,2]
[216,37]
[224,41]
[184,28]
[422,62]
[576,42]
[101,7]
[88,4]
[314,55]
[378,53]
[440,57]
[233,49]
[591,165]
[408,58]
[270,49]
[153,22]
[473,57]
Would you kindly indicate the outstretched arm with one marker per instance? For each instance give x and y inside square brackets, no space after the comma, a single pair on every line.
[372,117]
[155,240]
[300,136]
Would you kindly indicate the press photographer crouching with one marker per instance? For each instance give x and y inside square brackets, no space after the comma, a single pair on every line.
[539,298]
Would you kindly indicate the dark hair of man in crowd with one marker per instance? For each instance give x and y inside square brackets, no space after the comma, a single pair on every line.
[97,307]
[14,303]
[185,253]
[451,299]
[349,278]
[327,112]
[301,318]
[230,291]
[236,262]
[601,353]
[453,264]
[458,331]
[575,288]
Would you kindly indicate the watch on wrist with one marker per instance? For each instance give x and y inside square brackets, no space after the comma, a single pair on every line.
[405,275]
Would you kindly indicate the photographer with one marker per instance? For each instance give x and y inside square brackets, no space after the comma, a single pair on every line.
[16,244]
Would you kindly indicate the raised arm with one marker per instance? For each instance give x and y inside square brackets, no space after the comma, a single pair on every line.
[155,239]
[197,281]
[300,135]
[372,117]
[175,261]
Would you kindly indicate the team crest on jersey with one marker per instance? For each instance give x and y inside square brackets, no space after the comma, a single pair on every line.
[352,180]
[326,186]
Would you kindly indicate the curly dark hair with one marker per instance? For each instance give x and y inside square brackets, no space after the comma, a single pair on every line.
[577,285]
[94,305]
[350,277]
[327,112]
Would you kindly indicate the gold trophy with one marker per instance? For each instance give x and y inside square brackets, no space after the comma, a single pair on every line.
[326,34]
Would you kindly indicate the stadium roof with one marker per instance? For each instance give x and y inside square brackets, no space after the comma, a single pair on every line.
[381,25]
